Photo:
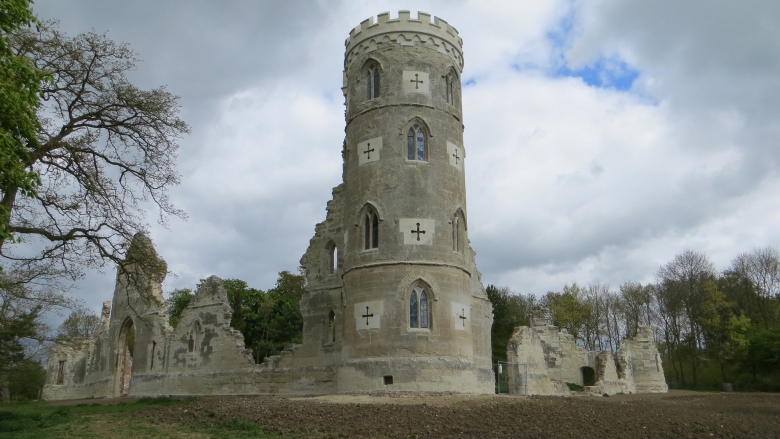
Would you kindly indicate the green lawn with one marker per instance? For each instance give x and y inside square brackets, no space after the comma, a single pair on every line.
[41,420]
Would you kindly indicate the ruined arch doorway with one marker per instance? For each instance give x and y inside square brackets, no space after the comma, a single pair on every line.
[588,376]
[126,345]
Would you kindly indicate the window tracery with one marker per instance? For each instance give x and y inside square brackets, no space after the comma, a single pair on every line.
[372,82]
[417,146]
[419,311]
[371,229]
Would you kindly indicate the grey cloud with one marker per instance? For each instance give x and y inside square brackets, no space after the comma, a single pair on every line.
[253,196]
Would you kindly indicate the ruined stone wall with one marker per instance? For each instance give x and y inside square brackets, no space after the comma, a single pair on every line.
[641,362]
[203,355]
[552,359]
[563,358]
[358,334]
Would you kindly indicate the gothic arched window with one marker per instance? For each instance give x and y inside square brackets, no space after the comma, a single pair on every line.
[449,87]
[417,147]
[419,312]
[458,232]
[371,229]
[372,83]
[333,256]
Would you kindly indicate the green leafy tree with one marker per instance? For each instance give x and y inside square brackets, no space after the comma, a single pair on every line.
[569,310]
[100,151]
[269,320]
[509,311]
[724,328]
[763,356]
[80,325]
[20,82]
[178,300]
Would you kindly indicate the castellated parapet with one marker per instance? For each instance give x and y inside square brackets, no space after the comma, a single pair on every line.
[403,31]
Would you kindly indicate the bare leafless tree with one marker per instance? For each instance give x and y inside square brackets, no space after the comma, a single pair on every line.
[106,152]
[683,279]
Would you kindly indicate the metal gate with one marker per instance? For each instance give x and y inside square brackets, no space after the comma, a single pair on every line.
[511,378]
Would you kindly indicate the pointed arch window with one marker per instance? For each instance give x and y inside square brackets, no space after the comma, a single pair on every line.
[332,251]
[449,87]
[458,232]
[419,312]
[416,145]
[371,230]
[372,83]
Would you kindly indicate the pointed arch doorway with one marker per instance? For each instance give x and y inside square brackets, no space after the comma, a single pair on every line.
[126,345]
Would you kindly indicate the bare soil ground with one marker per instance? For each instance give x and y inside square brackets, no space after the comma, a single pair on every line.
[677,414]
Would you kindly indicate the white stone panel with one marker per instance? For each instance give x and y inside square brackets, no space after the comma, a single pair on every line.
[368,150]
[456,155]
[410,226]
[368,314]
[416,82]
[461,315]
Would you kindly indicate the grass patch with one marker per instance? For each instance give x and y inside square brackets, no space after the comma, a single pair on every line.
[575,387]
[42,420]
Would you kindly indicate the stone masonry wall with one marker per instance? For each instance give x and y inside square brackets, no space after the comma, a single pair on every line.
[552,359]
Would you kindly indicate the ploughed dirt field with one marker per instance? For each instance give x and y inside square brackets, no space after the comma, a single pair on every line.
[678,414]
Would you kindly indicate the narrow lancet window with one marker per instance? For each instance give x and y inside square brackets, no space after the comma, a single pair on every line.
[423,310]
[413,320]
[415,143]
[371,230]
[376,83]
[372,83]
[419,311]
[368,86]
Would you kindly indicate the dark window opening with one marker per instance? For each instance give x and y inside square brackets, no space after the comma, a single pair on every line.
[371,230]
[588,376]
[61,372]
[376,82]
[388,380]
[154,347]
[413,316]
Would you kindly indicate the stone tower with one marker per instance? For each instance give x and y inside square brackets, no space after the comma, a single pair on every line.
[395,301]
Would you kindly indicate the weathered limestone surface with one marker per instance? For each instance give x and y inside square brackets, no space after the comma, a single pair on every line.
[396,227]
[201,356]
[358,314]
[542,359]
[640,361]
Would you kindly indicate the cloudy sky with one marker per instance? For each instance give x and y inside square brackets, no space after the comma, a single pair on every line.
[604,136]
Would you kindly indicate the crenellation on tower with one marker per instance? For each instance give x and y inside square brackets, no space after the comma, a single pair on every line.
[404,30]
